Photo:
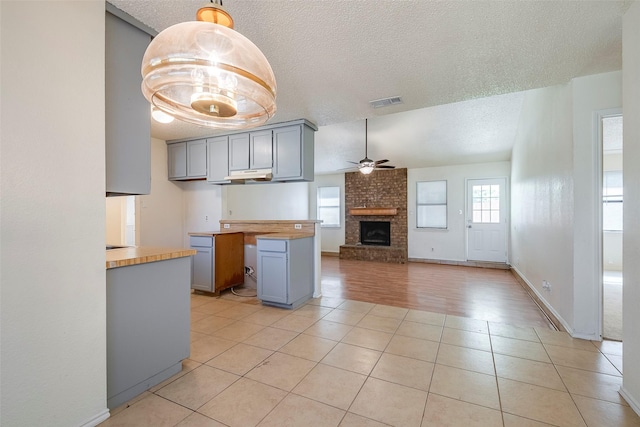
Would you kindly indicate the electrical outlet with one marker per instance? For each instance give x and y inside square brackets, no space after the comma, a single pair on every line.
[206,218]
[227,225]
[546,285]
[298,226]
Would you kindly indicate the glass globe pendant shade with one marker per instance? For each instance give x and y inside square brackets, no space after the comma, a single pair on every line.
[209,75]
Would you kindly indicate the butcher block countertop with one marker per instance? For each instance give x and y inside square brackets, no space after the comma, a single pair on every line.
[284,236]
[123,257]
[210,233]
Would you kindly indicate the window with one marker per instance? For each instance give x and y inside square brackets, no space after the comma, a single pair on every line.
[329,206]
[612,201]
[431,201]
[486,204]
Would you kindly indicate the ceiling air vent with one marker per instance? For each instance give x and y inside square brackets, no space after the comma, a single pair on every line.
[386,102]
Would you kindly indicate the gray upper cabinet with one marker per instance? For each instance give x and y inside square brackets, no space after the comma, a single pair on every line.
[197,159]
[239,152]
[177,157]
[285,148]
[187,160]
[127,112]
[293,153]
[252,150]
[218,155]
[260,150]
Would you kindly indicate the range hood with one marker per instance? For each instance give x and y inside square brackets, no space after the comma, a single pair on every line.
[251,174]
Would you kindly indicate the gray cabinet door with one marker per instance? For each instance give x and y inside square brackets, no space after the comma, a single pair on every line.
[177,160]
[127,112]
[218,159]
[239,152]
[273,280]
[197,158]
[202,269]
[287,153]
[261,150]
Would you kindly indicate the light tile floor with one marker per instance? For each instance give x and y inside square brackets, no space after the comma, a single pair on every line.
[349,363]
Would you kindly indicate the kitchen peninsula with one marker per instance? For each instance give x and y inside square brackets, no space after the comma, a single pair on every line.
[283,230]
[148,317]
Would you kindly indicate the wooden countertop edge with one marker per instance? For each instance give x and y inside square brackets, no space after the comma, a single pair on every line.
[284,236]
[124,257]
[212,233]
[270,221]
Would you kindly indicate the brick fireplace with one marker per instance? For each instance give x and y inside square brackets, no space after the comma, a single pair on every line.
[378,197]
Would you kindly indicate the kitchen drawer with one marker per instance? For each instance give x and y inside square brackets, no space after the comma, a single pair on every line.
[272,245]
[203,241]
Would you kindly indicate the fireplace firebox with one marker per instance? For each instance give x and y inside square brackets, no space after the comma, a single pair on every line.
[377,233]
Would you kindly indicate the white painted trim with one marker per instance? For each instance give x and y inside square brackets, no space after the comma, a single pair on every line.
[544,301]
[597,186]
[634,404]
[97,419]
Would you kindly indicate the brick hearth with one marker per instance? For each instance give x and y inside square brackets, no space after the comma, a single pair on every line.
[381,189]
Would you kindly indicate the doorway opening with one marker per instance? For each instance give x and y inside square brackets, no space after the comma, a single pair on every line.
[612,198]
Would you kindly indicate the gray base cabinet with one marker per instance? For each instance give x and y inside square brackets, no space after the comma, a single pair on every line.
[219,263]
[148,324]
[285,271]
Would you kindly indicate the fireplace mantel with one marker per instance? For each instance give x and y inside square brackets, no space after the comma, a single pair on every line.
[373,211]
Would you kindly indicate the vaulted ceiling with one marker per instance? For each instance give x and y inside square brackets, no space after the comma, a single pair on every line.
[459,66]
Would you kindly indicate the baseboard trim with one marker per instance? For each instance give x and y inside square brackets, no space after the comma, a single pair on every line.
[556,320]
[334,254]
[633,403]
[97,419]
[479,264]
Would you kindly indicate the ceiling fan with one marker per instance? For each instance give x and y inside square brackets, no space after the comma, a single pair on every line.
[366,165]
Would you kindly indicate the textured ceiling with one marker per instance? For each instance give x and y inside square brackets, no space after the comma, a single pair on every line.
[331,57]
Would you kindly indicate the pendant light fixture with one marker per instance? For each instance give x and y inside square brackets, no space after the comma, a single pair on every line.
[204,72]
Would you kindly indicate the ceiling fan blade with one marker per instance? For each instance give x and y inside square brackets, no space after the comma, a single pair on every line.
[355,163]
[381,161]
[351,168]
[385,167]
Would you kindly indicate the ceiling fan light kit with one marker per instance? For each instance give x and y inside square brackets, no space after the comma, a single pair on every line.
[205,73]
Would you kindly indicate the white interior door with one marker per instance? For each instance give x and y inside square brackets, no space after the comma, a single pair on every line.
[487,220]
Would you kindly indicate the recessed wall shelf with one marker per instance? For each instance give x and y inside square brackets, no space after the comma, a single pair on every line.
[373,211]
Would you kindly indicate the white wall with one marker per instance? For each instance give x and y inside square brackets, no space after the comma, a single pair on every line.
[160,214]
[590,94]
[202,208]
[447,244]
[332,237]
[542,196]
[116,218]
[276,200]
[52,175]
[631,292]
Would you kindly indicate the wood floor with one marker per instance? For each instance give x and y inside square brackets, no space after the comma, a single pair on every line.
[480,293]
